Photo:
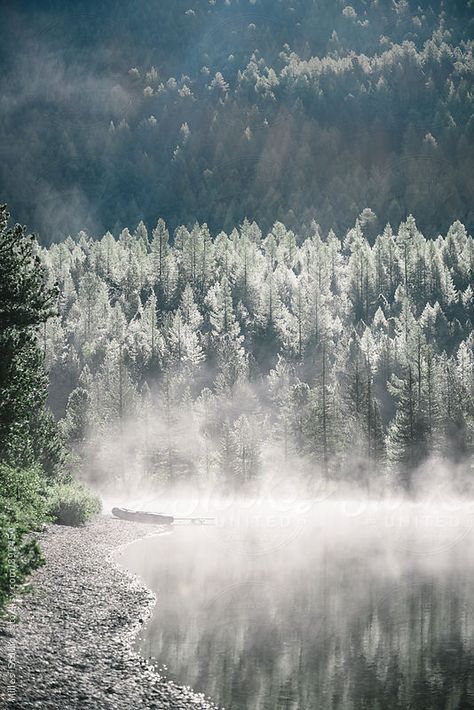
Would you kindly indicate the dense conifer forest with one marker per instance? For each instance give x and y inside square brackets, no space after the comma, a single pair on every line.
[221,111]
[252,254]
[222,358]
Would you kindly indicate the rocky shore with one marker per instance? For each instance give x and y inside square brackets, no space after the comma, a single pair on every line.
[68,643]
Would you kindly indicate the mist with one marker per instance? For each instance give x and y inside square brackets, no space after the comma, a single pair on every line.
[237,354]
[299,596]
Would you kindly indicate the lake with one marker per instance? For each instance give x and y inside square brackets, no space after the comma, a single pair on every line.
[343,605]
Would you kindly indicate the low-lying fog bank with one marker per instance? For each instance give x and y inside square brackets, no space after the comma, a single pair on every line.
[442,518]
[314,603]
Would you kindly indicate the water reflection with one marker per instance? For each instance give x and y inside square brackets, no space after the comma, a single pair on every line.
[340,616]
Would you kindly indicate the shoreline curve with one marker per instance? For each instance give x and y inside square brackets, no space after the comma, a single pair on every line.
[71,643]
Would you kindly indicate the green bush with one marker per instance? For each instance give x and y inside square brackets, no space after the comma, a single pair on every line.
[19,556]
[72,504]
[27,501]
[22,509]
[23,496]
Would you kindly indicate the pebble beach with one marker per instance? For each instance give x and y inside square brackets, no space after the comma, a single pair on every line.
[68,642]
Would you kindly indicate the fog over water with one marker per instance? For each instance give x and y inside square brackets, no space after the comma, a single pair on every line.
[249,305]
[312,603]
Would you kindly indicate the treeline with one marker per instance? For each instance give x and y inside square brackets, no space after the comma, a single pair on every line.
[219,358]
[213,112]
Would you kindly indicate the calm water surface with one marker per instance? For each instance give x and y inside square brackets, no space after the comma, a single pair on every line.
[339,608]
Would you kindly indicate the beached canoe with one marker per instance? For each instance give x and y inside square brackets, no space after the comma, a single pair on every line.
[140,516]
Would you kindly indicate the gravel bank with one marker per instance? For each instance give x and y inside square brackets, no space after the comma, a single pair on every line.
[72,645]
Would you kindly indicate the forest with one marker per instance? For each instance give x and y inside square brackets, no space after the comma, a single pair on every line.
[251,253]
[221,358]
[222,111]
[237,354]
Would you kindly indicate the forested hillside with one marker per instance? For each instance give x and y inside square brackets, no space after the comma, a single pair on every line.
[244,298]
[221,359]
[219,111]
[292,335]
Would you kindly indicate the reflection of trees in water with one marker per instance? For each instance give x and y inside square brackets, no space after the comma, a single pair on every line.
[413,650]
[336,632]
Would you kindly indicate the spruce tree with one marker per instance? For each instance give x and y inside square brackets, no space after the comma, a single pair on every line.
[27,432]
[407,441]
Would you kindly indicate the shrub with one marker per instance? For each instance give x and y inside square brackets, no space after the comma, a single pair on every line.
[22,509]
[72,504]
[27,500]
[22,496]
[19,556]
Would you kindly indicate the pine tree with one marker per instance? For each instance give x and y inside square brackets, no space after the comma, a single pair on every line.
[149,323]
[77,424]
[227,455]
[280,381]
[225,335]
[456,412]
[93,307]
[361,274]
[189,310]
[117,393]
[246,450]
[363,416]
[408,432]
[322,430]
[160,266]
[182,342]
[27,432]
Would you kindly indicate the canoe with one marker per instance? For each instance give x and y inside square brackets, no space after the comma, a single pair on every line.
[140,516]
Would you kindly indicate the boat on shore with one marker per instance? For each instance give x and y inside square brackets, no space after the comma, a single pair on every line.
[142,516]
